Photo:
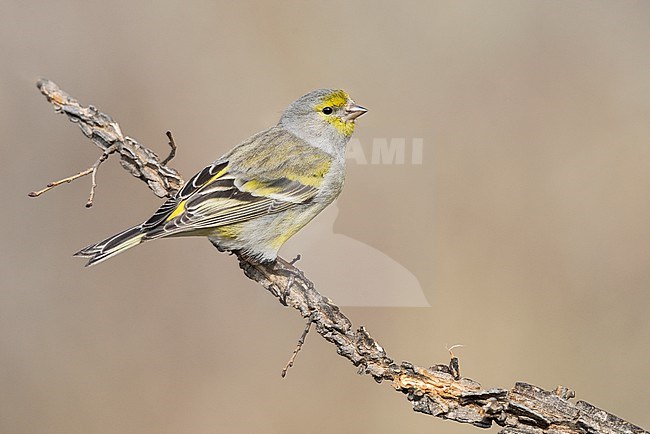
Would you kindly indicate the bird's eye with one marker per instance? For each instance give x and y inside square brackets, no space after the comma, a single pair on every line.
[327,110]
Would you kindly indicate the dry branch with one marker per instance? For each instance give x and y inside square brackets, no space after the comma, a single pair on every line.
[100,128]
[438,390]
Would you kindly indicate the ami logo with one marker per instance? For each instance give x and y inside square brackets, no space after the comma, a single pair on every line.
[386,151]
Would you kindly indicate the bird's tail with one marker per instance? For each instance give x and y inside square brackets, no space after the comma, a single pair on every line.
[110,247]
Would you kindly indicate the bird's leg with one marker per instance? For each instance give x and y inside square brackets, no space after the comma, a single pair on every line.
[267,268]
[293,272]
[272,270]
[215,243]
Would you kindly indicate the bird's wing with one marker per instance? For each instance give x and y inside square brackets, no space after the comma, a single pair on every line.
[209,173]
[236,189]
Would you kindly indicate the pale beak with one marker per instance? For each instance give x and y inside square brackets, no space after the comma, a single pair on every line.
[353,111]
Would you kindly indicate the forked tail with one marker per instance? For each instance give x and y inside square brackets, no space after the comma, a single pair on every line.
[112,246]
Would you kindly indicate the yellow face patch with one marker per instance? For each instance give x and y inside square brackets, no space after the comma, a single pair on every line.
[336,100]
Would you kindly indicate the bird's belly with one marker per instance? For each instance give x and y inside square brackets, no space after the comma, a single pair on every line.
[263,236]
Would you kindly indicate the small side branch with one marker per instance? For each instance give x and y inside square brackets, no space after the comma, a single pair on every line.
[92,170]
[53,184]
[438,390]
[301,342]
[106,134]
[172,151]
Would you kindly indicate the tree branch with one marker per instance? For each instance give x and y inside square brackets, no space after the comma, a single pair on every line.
[100,128]
[438,390]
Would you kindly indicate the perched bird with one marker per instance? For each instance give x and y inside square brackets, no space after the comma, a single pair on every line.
[255,197]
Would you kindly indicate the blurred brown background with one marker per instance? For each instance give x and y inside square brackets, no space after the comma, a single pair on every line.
[527,225]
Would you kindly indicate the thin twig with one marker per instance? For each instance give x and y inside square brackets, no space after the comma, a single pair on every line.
[53,184]
[301,342]
[172,145]
[454,364]
[106,134]
[296,259]
[92,170]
